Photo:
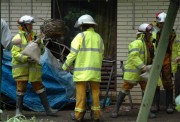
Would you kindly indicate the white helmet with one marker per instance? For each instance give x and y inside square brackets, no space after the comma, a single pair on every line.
[160,17]
[84,19]
[145,28]
[26,19]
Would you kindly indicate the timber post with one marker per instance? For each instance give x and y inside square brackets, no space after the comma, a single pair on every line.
[157,63]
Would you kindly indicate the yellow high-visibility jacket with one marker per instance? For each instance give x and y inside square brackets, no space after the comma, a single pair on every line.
[87,50]
[136,60]
[22,70]
[175,53]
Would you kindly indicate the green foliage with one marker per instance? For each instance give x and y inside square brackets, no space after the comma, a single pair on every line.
[21,118]
[74,13]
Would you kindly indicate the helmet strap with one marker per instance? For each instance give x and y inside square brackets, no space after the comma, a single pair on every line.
[28,35]
[25,27]
[146,38]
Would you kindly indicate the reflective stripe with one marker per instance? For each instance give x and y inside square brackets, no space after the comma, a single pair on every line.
[136,49]
[141,52]
[74,50]
[87,68]
[20,93]
[95,108]
[101,45]
[91,49]
[21,57]
[83,40]
[79,109]
[132,70]
[40,91]
[66,65]
[20,65]
[34,69]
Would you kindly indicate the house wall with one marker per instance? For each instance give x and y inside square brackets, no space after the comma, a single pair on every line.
[130,14]
[12,10]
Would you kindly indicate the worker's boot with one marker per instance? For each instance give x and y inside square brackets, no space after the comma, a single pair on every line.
[45,103]
[155,106]
[74,118]
[19,104]
[152,115]
[92,115]
[169,101]
[120,99]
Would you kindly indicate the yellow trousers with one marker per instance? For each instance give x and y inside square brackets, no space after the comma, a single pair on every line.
[126,86]
[81,99]
[22,86]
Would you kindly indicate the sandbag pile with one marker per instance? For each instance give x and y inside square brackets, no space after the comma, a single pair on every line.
[53,28]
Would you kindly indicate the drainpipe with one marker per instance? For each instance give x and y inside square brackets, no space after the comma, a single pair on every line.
[31,7]
[9,10]
[157,64]
[0,73]
[133,15]
[54,9]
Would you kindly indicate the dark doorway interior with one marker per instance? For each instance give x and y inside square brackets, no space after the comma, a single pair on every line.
[105,14]
[103,11]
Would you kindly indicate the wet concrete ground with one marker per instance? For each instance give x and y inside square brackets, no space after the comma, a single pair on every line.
[125,115]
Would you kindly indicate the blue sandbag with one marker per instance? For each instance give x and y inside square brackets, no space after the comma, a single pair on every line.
[59,85]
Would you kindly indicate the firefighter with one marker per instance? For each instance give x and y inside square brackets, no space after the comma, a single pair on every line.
[168,67]
[141,53]
[25,69]
[176,64]
[87,51]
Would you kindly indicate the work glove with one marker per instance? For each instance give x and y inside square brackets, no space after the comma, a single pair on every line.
[146,68]
[30,60]
[16,41]
[145,72]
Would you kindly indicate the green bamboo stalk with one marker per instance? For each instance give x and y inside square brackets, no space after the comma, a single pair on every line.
[157,63]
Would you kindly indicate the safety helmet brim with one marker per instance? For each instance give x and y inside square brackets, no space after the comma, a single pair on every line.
[160,17]
[26,19]
[77,24]
[85,19]
[138,33]
[143,28]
